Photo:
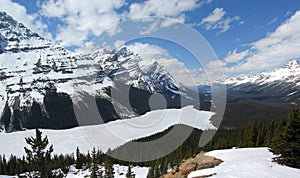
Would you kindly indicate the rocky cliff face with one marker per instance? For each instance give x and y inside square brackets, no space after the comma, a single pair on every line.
[37,73]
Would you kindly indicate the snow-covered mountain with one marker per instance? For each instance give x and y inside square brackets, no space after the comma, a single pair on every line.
[281,84]
[32,68]
[289,72]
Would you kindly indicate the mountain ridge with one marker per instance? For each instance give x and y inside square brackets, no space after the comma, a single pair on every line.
[279,85]
[33,67]
[289,72]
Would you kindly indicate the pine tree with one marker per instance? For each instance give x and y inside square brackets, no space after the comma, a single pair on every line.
[1,165]
[88,158]
[100,156]
[129,173]
[156,171]
[151,173]
[94,165]
[252,134]
[78,159]
[38,156]
[12,164]
[5,171]
[287,143]
[22,165]
[108,165]
[269,134]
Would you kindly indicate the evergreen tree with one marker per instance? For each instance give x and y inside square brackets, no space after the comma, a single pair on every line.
[1,165]
[108,165]
[100,156]
[12,164]
[260,135]
[63,164]
[269,134]
[252,134]
[156,171]
[79,161]
[151,173]
[94,165]
[129,173]
[38,156]
[287,143]
[88,158]
[5,171]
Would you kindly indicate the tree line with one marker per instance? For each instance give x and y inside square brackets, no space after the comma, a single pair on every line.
[283,139]
[41,162]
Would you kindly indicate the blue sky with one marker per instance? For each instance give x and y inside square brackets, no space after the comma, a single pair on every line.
[248,37]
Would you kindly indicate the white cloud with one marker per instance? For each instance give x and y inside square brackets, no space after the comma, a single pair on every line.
[217,20]
[19,13]
[78,20]
[215,64]
[96,16]
[151,28]
[119,43]
[171,11]
[88,47]
[274,50]
[54,8]
[82,19]
[165,8]
[148,51]
[215,16]
[234,56]
[169,22]
[176,68]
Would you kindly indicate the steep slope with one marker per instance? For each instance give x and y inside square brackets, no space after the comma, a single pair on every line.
[40,80]
[30,66]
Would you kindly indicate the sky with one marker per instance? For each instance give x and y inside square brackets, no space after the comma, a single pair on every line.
[245,37]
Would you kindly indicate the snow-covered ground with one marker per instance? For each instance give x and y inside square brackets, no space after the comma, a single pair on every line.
[246,162]
[120,172]
[109,135]
[238,163]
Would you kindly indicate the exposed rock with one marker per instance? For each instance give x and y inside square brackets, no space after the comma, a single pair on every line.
[200,161]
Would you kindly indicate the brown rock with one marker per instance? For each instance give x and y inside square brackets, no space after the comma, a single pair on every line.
[200,161]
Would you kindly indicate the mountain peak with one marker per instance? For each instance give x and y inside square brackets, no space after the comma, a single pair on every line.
[16,37]
[292,64]
[289,72]
[9,25]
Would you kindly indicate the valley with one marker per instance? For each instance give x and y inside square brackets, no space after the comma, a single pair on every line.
[71,109]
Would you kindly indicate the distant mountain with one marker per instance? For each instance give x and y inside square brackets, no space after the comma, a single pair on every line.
[263,97]
[289,72]
[278,85]
[41,79]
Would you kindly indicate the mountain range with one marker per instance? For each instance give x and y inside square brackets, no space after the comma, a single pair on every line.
[281,84]
[266,97]
[40,80]
[42,83]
